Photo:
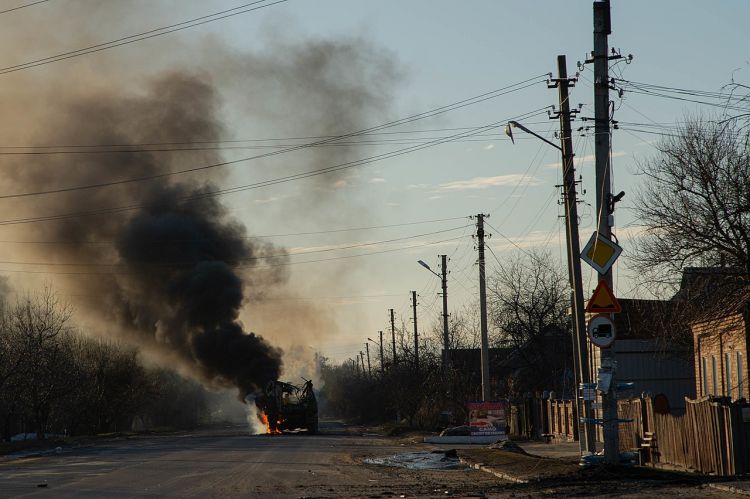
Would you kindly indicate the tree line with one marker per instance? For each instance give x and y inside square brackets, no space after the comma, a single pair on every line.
[56,381]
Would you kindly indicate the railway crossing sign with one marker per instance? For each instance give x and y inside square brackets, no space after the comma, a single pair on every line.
[600,253]
[601,330]
[603,300]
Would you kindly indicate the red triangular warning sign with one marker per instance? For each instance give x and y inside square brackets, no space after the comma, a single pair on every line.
[603,301]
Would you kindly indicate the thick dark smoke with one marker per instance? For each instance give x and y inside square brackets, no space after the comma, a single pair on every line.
[186,257]
[174,273]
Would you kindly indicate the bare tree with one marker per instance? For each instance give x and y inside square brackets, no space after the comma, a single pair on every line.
[527,294]
[695,202]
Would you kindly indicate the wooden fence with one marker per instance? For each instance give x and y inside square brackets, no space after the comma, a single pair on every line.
[711,437]
[561,420]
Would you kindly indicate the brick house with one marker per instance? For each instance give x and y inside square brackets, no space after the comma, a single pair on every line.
[720,352]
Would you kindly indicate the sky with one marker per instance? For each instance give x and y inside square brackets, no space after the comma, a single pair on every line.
[395,59]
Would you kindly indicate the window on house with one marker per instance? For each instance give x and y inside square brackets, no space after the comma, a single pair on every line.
[740,374]
[728,374]
[714,385]
[705,376]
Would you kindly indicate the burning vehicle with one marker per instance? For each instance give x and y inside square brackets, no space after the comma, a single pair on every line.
[284,406]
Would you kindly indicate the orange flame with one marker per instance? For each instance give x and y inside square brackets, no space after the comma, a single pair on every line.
[269,431]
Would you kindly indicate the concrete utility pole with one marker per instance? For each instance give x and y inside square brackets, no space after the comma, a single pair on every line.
[602,29]
[369,370]
[485,354]
[586,439]
[446,338]
[393,338]
[382,357]
[416,335]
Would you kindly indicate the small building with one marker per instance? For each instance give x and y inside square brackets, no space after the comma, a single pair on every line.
[643,356]
[721,346]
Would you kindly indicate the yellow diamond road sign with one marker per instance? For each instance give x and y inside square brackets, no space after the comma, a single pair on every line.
[600,253]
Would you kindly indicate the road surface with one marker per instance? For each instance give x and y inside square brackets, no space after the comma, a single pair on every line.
[229,463]
[233,464]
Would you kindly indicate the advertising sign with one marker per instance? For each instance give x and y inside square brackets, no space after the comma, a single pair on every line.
[488,418]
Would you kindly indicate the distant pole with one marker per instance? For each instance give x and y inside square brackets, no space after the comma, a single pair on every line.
[393,338]
[416,335]
[362,358]
[357,363]
[485,354]
[367,349]
[382,357]
[446,339]
[602,29]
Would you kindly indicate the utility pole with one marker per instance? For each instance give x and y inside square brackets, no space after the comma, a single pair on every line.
[362,358]
[369,370]
[586,439]
[393,338]
[446,339]
[382,357]
[416,335]
[602,29]
[485,353]
[357,363]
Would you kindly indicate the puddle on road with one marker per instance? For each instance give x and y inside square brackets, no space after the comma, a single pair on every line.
[419,461]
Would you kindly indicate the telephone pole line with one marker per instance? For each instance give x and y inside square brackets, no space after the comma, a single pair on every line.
[563,83]
[416,335]
[446,339]
[604,205]
[369,369]
[382,357]
[485,353]
[393,338]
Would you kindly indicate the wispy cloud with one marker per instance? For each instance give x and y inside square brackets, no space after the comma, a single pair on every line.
[489,147]
[485,182]
[581,161]
[376,180]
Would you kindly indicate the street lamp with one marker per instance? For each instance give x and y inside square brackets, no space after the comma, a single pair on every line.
[574,262]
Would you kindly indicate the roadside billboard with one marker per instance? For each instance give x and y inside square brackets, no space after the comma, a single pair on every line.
[488,418]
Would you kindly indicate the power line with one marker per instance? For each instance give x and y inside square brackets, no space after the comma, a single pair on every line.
[247,259]
[289,234]
[266,266]
[164,30]
[256,185]
[23,6]
[419,116]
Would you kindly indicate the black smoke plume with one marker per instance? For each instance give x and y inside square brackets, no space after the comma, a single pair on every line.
[174,276]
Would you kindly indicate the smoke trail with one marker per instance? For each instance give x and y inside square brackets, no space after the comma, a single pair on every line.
[182,268]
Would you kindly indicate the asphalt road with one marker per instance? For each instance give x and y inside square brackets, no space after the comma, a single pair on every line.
[229,463]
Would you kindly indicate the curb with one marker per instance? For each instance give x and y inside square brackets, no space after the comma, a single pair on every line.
[723,487]
[499,474]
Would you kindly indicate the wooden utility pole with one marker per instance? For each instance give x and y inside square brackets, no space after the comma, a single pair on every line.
[393,338]
[485,353]
[362,358]
[367,349]
[563,83]
[602,29]
[382,357]
[446,339]
[416,335]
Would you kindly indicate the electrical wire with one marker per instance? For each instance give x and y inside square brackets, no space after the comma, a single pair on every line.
[427,114]
[164,30]
[23,6]
[247,259]
[231,190]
